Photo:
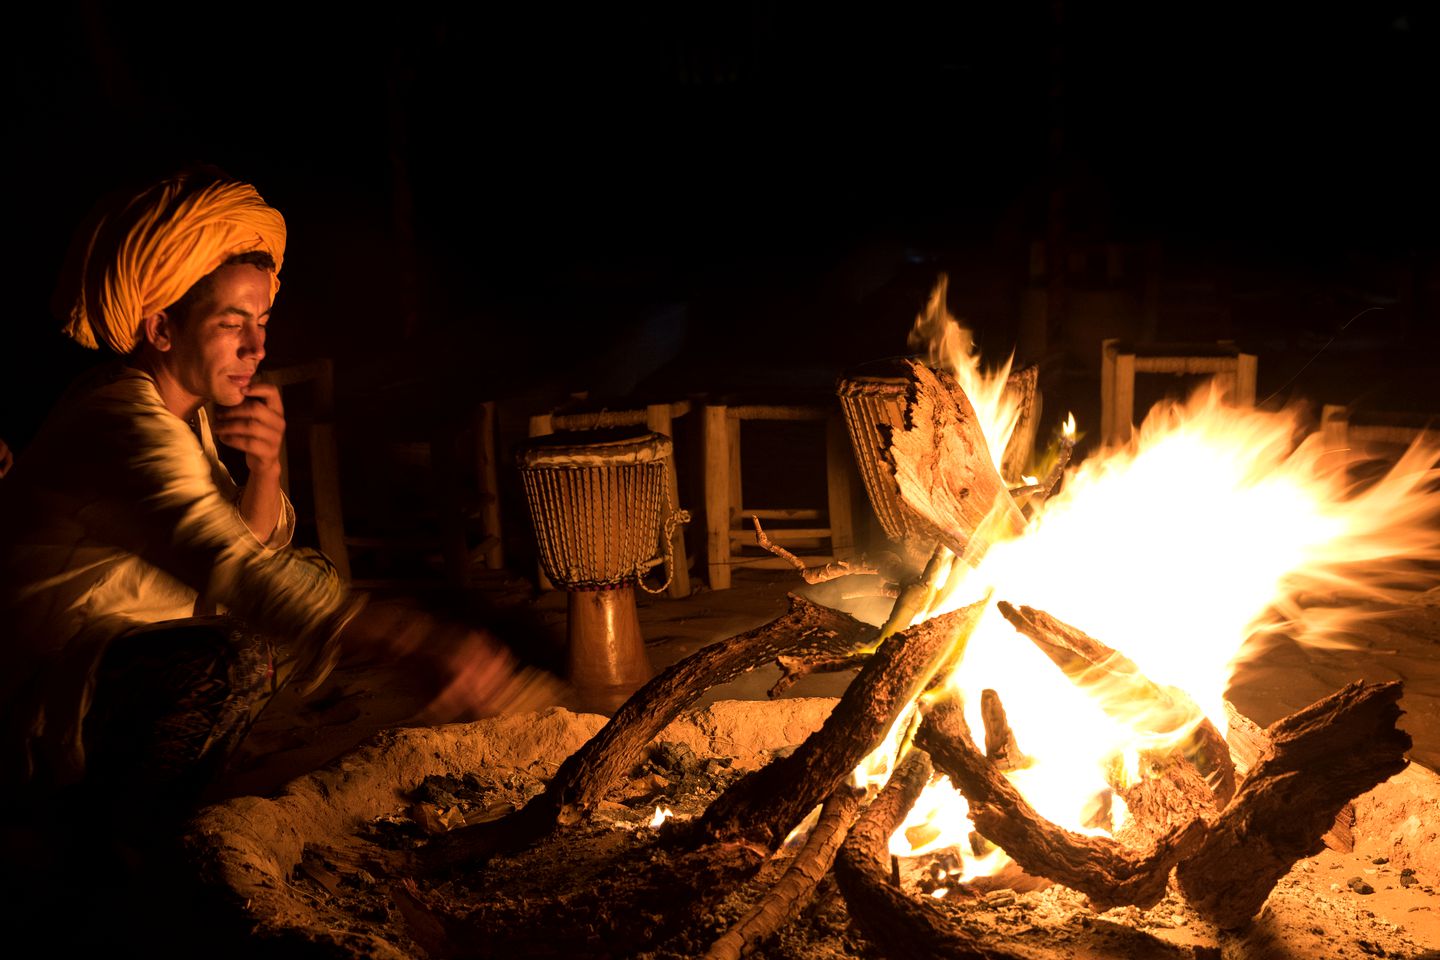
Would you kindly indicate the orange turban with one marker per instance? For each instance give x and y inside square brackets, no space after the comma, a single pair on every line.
[143,257]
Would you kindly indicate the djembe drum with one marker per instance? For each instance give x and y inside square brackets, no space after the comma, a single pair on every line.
[598,509]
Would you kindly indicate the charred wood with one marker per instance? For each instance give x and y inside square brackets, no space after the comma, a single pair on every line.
[764,806]
[1249,741]
[1107,872]
[903,927]
[1318,760]
[586,775]
[797,886]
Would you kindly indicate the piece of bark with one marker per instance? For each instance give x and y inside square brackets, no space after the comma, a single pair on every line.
[1248,742]
[1319,759]
[942,465]
[1126,694]
[1106,871]
[902,926]
[794,669]
[784,901]
[587,774]
[1001,747]
[764,806]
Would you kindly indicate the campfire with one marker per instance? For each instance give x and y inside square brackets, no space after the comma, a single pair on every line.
[1043,707]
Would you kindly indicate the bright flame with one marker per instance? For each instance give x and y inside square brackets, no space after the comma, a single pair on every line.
[951,347]
[661,815]
[1174,550]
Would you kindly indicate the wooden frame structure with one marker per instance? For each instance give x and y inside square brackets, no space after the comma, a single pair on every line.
[451,538]
[726,517]
[1234,371]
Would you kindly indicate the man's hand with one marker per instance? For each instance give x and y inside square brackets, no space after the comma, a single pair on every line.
[467,673]
[7,459]
[256,426]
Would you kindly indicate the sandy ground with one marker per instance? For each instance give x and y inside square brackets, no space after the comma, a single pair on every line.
[297,735]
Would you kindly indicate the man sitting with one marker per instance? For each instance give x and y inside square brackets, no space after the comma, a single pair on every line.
[119,526]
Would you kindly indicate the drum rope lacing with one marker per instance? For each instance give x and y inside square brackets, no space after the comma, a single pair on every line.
[675,518]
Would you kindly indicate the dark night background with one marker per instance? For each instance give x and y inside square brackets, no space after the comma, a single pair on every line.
[519,202]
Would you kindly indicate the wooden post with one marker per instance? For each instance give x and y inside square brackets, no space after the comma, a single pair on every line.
[325,486]
[1246,369]
[659,420]
[487,474]
[1109,348]
[719,463]
[838,460]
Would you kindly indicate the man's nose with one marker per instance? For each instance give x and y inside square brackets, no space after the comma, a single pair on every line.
[253,344]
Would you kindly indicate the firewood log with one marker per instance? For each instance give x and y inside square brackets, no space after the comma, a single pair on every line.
[795,889]
[764,806]
[903,927]
[585,776]
[1248,742]
[1106,871]
[942,464]
[1126,694]
[1318,759]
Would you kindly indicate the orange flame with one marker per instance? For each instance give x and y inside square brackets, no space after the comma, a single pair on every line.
[1204,530]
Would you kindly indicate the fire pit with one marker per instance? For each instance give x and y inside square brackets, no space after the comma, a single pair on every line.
[995,782]
[308,869]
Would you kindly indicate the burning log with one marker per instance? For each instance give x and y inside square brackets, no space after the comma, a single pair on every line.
[1023,385]
[1318,759]
[944,470]
[795,889]
[1126,694]
[1170,791]
[1110,874]
[900,925]
[1001,747]
[585,776]
[764,806]
[1249,741]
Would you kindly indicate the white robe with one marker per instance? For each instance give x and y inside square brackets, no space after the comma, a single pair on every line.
[120,514]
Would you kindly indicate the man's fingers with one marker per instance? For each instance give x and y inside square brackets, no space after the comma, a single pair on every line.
[235,435]
[268,394]
[250,410]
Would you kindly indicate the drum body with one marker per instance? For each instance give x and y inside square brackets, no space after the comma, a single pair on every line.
[598,510]
[874,405]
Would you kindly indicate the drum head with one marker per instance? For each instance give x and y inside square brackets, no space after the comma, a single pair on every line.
[593,448]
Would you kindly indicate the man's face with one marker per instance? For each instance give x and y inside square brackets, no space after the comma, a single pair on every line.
[217,347]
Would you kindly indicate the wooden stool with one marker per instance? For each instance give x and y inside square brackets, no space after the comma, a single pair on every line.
[442,457]
[1233,371]
[1343,433]
[726,519]
[658,418]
